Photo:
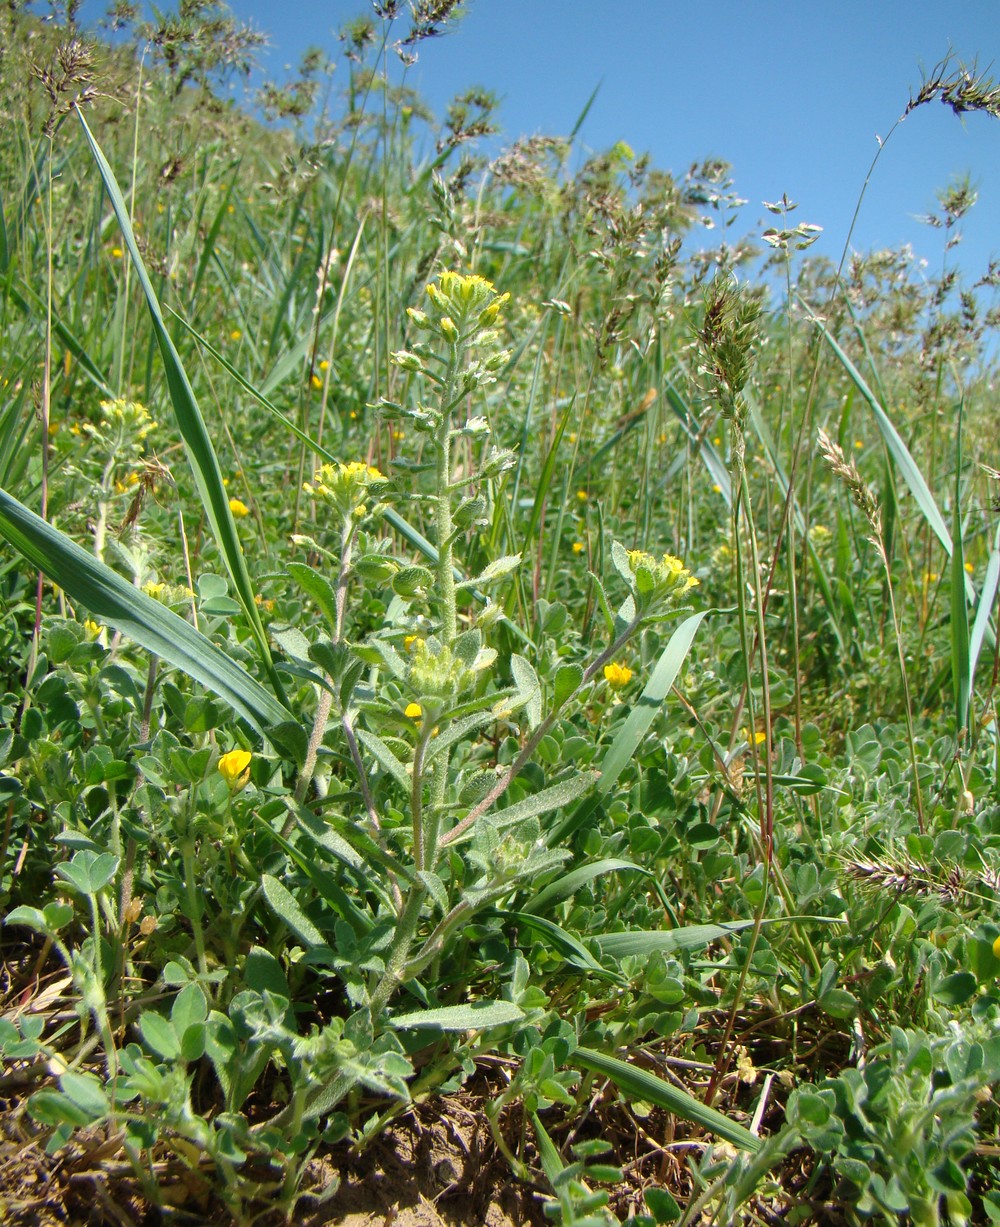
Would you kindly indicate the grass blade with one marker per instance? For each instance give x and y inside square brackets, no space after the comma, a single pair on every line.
[113,600]
[564,944]
[987,596]
[960,676]
[197,441]
[666,941]
[640,1084]
[571,882]
[897,448]
[636,725]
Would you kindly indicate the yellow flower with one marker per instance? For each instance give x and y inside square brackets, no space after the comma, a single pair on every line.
[324,365]
[577,547]
[316,381]
[660,579]
[716,489]
[234,768]
[969,567]
[153,589]
[346,487]
[617,676]
[717,441]
[236,335]
[757,739]
[413,710]
[460,299]
[117,253]
[858,445]
[996,947]
[582,495]
[411,641]
[238,508]
[93,629]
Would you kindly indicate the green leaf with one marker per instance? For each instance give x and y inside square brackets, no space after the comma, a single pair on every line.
[666,941]
[316,585]
[111,599]
[529,692]
[286,908]
[661,1205]
[960,643]
[190,1007]
[89,872]
[54,1108]
[30,917]
[631,734]
[570,883]
[552,1164]
[385,758]
[537,803]
[900,452]
[981,624]
[640,1084]
[160,1036]
[568,680]
[955,989]
[478,1016]
[565,944]
[197,441]
[87,1092]
[839,1003]
[498,569]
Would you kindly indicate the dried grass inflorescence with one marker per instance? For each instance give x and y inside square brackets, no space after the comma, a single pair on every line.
[860,491]
[900,872]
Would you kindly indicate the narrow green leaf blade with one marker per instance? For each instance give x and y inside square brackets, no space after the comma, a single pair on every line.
[197,441]
[640,1084]
[666,941]
[632,732]
[477,1016]
[960,645]
[565,944]
[900,452]
[113,600]
[986,598]
[570,883]
[285,907]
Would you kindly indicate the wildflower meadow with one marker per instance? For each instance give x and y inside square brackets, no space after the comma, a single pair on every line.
[498,699]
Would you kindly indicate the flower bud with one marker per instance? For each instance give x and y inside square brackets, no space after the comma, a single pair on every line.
[407,361]
[449,331]
[419,318]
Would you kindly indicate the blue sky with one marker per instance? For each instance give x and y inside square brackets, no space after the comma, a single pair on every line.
[793,93]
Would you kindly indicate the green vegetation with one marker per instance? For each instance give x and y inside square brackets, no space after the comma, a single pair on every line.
[461,639]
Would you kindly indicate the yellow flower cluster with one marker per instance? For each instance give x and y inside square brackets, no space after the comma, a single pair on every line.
[660,578]
[123,422]
[346,487]
[460,301]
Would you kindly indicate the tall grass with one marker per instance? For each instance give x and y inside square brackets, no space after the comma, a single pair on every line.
[363,732]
